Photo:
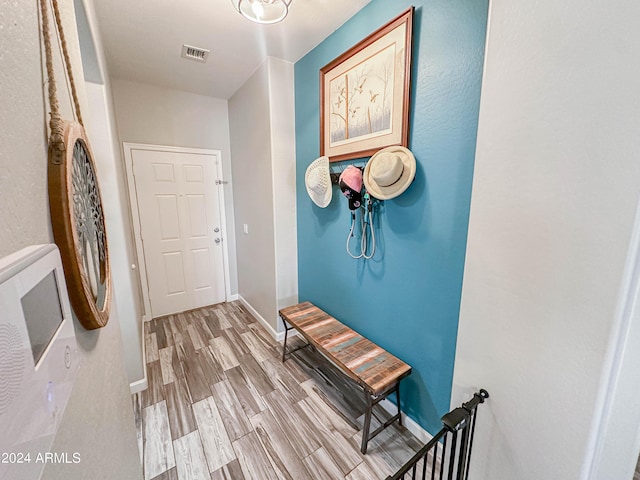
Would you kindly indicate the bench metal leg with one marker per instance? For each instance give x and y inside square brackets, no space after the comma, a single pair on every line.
[284,346]
[398,400]
[367,422]
[370,402]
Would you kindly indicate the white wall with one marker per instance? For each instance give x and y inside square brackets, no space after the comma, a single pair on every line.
[160,116]
[98,422]
[615,435]
[556,185]
[117,218]
[249,121]
[102,131]
[261,118]
[283,154]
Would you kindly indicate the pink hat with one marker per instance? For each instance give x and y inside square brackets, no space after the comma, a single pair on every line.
[351,186]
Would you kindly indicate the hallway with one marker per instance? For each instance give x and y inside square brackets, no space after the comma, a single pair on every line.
[221,405]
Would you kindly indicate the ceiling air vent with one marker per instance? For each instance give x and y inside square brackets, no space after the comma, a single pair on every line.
[195,53]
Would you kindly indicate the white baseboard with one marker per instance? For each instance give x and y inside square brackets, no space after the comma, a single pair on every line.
[233,298]
[411,425]
[292,333]
[142,384]
[259,317]
[280,336]
[139,386]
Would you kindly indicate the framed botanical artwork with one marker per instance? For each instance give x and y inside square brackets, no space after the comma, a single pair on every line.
[364,94]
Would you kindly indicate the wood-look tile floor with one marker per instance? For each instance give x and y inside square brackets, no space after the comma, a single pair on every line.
[221,405]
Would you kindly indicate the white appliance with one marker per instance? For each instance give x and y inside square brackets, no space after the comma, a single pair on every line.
[39,359]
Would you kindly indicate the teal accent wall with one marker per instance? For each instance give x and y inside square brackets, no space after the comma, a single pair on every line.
[407,298]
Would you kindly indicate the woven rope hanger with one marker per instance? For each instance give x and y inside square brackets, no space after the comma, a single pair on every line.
[56,124]
[74,197]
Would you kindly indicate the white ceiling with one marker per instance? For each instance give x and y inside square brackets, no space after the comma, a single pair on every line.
[143,40]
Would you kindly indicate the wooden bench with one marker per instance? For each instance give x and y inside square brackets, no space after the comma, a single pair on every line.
[376,371]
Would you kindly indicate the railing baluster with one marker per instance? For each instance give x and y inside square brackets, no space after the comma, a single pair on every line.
[425,462]
[462,457]
[473,431]
[434,463]
[444,456]
[452,452]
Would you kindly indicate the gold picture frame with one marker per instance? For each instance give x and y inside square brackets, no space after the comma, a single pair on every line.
[365,93]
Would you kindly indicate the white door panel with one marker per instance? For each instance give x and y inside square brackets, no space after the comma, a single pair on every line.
[168,217]
[178,209]
[197,216]
[201,272]
[173,273]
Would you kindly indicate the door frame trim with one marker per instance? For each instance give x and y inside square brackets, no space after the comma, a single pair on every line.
[128,149]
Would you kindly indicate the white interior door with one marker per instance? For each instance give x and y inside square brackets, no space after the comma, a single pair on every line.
[181,230]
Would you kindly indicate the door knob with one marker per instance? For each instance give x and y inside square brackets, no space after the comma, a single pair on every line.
[216,229]
[217,240]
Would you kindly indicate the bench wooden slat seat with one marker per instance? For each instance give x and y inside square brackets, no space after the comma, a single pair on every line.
[370,366]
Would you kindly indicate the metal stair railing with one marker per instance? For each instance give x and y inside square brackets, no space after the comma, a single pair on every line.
[449,457]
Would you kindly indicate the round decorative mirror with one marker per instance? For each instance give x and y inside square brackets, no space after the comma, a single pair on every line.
[79,230]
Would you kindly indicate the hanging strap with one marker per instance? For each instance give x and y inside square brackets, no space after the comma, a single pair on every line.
[350,236]
[368,230]
[368,236]
[56,123]
[67,61]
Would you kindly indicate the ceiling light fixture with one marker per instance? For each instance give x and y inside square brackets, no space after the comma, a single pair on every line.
[263,11]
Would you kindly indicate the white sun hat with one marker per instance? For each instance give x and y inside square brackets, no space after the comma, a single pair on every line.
[389,172]
[318,182]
